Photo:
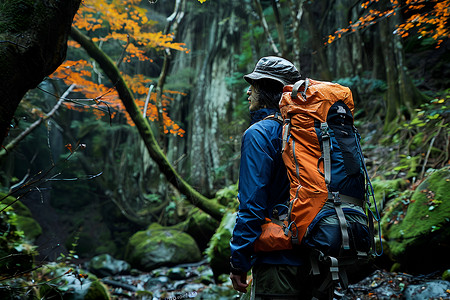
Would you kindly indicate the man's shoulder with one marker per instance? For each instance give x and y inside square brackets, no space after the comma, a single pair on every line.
[263,128]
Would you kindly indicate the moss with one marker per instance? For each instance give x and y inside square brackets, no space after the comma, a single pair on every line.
[426,215]
[446,275]
[227,196]
[387,189]
[97,291]
[19,207]
[218,251]
[159,246]
[201,227]
[30,227]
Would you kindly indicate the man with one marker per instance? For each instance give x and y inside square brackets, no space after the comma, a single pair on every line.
[263,184]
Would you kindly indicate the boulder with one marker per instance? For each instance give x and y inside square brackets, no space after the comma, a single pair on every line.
[161,246]
[417,225]
[105,265]
[201,227]
[218,251]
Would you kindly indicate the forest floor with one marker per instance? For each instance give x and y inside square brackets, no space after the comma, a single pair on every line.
[195,282]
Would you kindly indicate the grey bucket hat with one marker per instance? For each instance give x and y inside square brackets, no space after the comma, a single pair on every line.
[275,68]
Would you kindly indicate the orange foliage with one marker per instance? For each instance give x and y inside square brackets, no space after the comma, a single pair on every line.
[123,21]
[430,22]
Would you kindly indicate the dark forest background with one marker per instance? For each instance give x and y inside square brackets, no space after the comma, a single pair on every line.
[90,175]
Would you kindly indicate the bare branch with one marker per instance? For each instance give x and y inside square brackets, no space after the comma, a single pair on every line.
[35,124]
[259,10]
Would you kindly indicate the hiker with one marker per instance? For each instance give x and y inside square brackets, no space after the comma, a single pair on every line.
[324,219]
[263,183]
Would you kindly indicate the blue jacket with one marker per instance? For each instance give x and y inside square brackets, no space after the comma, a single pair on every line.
[263,183]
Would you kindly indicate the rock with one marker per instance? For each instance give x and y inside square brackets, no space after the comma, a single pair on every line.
[201,227]
[68,286]
[159,246]
[387,189]
[392,285]
[419,225]
[24,220]
[437,289]
[105,265]
[218,251]
[176,274]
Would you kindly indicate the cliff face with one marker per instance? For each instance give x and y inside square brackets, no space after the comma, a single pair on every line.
[213,39]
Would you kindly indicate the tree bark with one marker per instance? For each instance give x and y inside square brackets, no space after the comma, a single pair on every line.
[296,16]
[33,43]
[207,205]
[402,94]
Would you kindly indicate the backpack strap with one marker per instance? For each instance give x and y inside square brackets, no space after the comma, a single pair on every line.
[347,199]
[342,221]
[276,117]
[326,150]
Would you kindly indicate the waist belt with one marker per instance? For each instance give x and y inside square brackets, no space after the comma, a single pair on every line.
[344,198]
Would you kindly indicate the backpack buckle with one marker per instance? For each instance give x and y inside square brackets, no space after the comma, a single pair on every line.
[324,129]
[336,198]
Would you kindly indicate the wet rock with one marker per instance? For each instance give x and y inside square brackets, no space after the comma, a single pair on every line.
[176,274]
[438,289]
[160,246]
[70,285]
[105,265]
[392,285]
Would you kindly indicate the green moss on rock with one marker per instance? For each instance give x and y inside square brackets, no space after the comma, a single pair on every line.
[160,246]
[424,227]
[97,291]
[218,251]
[30,227]
[201,227]
[387,189]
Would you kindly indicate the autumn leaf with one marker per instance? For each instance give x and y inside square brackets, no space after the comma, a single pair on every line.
[69,147]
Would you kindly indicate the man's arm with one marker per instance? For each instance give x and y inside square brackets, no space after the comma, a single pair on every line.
[255,173]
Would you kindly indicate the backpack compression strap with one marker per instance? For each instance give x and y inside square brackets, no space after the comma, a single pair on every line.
[326,145]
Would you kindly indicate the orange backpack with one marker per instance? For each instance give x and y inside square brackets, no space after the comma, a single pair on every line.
[325,164]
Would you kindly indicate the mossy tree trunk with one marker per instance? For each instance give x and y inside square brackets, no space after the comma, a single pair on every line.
[209,206]
[402,95]
[33,43]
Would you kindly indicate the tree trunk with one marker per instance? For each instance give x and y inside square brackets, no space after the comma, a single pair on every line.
[33,43]
[402,95]
[296,16]
[207,205]
[317,48]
